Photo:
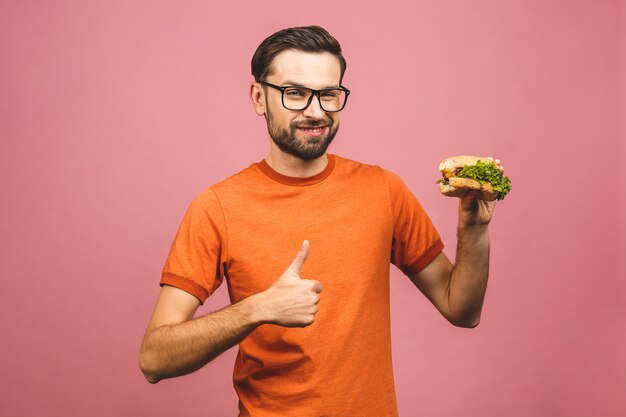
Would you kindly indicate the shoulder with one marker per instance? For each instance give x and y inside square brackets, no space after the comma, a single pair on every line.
[208,199]
[347,164]
[374,175]
[247,177]
[351,167]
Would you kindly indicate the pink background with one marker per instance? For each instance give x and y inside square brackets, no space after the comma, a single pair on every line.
[114,115]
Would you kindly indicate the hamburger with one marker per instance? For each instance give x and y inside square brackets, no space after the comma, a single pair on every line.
[464,173]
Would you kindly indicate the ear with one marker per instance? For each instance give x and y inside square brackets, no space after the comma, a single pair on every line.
[257,95]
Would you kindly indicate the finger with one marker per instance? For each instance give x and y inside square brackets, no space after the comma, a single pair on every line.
[463,192]
[472,194]
[495,161]
[301,256]
[485,196]
[317,286]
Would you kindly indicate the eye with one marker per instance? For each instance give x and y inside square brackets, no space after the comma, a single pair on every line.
[295,93]
[330,94]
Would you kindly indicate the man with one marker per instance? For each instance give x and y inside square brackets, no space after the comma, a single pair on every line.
[313,330]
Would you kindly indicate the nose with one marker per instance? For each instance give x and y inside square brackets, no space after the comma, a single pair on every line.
[314,110]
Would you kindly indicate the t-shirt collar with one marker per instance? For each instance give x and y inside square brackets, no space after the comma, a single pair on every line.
[297,181]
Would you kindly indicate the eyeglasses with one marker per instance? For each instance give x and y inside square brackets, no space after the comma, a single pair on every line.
[298,98]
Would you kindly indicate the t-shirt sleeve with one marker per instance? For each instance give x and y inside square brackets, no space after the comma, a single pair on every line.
[415,241]
[196,259]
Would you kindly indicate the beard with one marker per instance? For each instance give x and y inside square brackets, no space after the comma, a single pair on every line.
[306,149]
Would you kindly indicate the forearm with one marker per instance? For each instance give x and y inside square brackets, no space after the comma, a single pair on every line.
[469,276]
[174,350]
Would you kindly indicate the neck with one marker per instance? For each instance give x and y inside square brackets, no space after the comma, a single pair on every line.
[292,166]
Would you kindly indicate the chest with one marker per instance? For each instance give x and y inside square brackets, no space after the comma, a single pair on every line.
[349,235]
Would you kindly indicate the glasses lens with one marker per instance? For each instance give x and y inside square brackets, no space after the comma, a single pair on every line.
[332,99]
[297,98]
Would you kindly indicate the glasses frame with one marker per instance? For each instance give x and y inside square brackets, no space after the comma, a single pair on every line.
[313,94]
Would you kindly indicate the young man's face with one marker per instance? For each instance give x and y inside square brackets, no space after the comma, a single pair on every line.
[307,133]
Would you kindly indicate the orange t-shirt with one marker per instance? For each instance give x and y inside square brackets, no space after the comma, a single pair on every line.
[357,219]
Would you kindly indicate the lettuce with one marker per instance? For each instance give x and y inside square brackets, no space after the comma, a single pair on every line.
[487,172]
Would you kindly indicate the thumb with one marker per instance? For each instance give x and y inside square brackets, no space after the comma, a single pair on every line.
[301,256]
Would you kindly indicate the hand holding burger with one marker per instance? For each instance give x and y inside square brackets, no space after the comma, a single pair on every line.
[464,173]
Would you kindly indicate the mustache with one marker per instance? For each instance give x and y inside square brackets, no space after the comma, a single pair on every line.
[315,123]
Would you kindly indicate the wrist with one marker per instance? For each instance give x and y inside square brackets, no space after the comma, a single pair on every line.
[472,232]
[256,309]
[481,228]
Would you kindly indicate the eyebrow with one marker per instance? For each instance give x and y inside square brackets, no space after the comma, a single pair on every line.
[297,84]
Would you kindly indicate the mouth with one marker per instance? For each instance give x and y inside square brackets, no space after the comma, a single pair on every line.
[314,131]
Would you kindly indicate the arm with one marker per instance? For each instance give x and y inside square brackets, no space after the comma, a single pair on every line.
[176,345]
[458,290]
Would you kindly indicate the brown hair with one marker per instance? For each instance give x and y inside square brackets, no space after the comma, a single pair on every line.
[304,38]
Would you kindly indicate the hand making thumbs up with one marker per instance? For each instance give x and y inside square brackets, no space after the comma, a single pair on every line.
[291,301]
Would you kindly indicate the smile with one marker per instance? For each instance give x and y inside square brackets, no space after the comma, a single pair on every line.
[316,131]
